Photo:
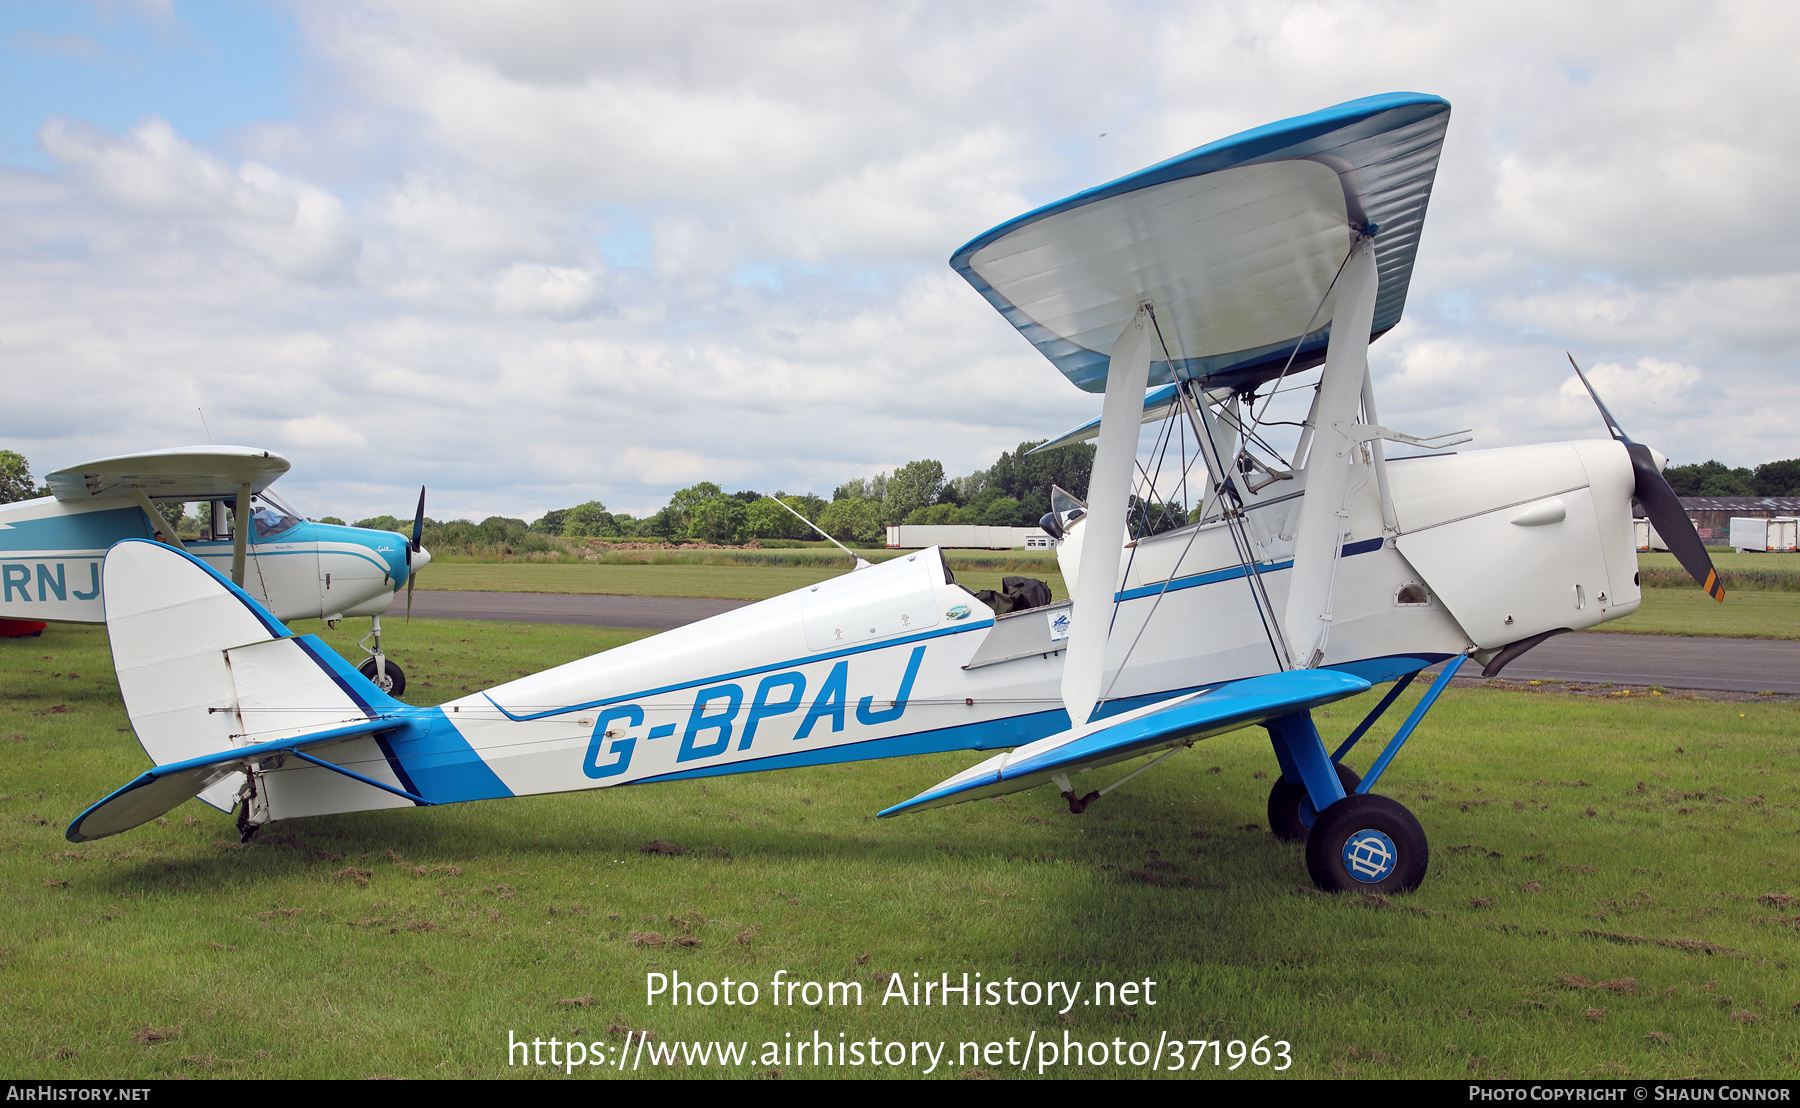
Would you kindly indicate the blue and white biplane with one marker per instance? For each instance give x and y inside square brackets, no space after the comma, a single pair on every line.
[1265,261]
[52,547]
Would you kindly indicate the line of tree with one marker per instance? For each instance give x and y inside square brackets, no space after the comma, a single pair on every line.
[1712,478]
[1013,492]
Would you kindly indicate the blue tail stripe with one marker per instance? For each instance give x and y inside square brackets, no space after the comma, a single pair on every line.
[439,763]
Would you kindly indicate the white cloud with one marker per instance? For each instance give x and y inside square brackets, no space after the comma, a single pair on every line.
[153,172]
[539,253]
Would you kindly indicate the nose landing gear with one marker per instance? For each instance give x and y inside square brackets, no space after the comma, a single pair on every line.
[387,676]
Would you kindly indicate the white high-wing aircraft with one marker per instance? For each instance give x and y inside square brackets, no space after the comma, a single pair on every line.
[51,548]
[1310,577]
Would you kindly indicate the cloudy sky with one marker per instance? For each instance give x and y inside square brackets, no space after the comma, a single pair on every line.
[530,254]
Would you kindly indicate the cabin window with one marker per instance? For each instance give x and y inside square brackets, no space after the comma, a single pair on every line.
[272,516]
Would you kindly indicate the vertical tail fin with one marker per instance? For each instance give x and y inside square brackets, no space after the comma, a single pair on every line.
[211,680]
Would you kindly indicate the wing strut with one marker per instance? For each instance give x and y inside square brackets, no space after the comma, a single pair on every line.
[1109,492]
[160,528]
[1320,534]
[240,535]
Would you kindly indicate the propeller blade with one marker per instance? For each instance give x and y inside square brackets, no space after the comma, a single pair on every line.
[1660,502]
[413,548]
[1664,509]
[1612,425]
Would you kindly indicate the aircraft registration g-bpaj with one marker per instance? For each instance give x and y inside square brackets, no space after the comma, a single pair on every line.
[1223,275]
[51,548]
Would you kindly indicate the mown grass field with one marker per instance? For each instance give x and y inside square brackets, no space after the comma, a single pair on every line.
[1754,572]
[1746,614]
[1610,894]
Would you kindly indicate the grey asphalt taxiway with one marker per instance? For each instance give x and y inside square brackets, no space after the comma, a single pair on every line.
[1676,662]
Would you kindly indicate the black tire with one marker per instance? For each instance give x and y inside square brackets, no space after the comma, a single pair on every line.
[396,677]
[1367,844]
[1285,798]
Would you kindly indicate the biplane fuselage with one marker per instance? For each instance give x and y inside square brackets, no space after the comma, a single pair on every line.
[897,659]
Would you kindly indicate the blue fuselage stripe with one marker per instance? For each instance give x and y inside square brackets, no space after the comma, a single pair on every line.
[1213,577]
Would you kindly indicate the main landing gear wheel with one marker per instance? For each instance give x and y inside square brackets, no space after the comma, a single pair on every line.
[1285,798]
[1368,844]
[396,678]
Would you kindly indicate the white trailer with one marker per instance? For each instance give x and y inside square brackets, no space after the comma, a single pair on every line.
[1766,535]
[967,536]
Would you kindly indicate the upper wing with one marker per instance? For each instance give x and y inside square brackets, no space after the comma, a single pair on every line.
[183,473]
[1227,707]
[1235,244]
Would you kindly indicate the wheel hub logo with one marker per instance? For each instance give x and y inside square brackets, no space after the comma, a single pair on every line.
[1370,856]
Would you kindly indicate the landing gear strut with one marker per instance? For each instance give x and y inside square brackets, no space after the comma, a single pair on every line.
[1355,841]
[1285,798]
[388,677]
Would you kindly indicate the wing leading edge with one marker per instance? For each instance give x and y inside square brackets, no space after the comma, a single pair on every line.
[1215,711]
[184,473]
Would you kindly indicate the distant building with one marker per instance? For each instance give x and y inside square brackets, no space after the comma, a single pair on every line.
[968,537]
[1712,514]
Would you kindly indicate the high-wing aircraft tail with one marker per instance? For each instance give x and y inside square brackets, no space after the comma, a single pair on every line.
[1162,726]
[220,692]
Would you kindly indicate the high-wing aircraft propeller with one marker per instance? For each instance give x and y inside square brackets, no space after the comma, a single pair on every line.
[1309,570]
[1660,503]
[412,548]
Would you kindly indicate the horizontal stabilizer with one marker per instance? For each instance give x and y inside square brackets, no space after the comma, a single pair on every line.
[165,787]
[1213,712]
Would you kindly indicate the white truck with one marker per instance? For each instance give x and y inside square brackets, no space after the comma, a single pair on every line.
[1766,535]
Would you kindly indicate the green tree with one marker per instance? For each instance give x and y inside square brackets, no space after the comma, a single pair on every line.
[718,519]
[855,519]
[1710,478]
[1778,478]
[551,522]
[333,520]
[1004,511]
[913,486]
[15,479]
[1027,477]
[937,515]
[683,502]
[767,519]
[589,521]
[862,488]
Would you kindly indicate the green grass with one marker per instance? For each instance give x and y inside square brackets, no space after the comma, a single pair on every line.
[696,578]
[1746,614]
[1758,572]
[1575,841]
